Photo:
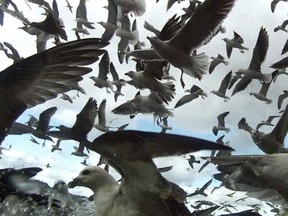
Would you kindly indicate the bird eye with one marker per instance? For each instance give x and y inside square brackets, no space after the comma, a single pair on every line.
[85,172]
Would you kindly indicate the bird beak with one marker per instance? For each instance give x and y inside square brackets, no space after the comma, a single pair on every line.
[75,182]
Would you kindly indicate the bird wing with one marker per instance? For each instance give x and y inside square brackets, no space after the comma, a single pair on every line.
[101,113]
[260,50]
[81,12]
[242,124]
[44,119]
[85,119]
[185,99]
[281,64]
[281,98]
[42,76]
[171,28]
[221,117]
[104,66]
[281,128]
[237,38]
[285,48]
[241,85]
[127,108]
[112,19]
[225,82]
[206,18]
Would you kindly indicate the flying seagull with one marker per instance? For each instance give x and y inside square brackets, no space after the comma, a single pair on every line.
[82,126]
[235,42]
[25,84]
[140,192]
[104,69]
[216,61]
[42,128]
[267,122]
[221,92]
[221,124]
[201,191]
[262,94]
[254,69]
[151,103]
[102,117]
[194,93]
[206,18]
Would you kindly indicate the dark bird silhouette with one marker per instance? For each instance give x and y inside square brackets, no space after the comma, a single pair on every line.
[82,126]
[192,160]
[201,191]
[26,84]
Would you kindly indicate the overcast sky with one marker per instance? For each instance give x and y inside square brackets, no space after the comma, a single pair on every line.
[196,118]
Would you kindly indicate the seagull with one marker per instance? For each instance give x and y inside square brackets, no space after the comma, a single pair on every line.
[81,16]
[66,97]
[23,87]
[132,36]
[243,125]
[51,25]
[254,69]
[84,162]
[260,176]
[154,195]
[267,122]
[82,126]
[111,24]
[116,81]
[192,160]
[69,6]
[104,68]
[261,95]
[216,61]
[57,146]
[200,191]
[194,93]
[282,27]
[41,130]
[235,42]
[221,92]
[146,79]
[281,98]
[221,124]
[205,19]
[102,117]
[61,194]
[144,104]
